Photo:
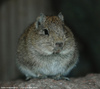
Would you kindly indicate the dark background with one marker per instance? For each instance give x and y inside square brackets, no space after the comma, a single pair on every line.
[82,16]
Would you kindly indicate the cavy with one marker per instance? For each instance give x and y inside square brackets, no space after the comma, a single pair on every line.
[47,48]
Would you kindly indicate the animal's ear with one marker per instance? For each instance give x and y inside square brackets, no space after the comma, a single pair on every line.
[61,16]
[40,20]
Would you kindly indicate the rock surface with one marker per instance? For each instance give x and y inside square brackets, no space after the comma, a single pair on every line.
[91,81]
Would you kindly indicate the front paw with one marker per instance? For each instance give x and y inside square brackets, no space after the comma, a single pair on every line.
[42,77]
[61,78]
[28,78]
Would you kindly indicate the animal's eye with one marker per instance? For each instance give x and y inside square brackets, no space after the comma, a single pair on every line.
[46,32]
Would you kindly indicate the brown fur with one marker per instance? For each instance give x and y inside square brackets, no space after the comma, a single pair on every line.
[47,48]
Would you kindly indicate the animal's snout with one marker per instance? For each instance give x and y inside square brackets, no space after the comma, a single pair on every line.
[59,44]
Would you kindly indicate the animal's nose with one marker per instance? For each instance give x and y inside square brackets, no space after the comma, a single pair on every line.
[59,44]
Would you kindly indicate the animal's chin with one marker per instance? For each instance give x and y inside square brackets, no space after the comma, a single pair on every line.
[52,53]
[56,52]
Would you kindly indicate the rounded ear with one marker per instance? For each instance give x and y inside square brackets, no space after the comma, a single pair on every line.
[40,20]
[61,16]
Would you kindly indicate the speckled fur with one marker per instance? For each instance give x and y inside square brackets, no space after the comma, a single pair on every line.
[35,53]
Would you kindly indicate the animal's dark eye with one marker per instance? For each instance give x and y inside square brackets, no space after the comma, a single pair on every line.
[46,32]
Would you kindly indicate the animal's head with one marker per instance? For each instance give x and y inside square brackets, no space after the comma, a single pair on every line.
[51,36]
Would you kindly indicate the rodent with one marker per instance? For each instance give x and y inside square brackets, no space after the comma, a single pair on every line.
[47,48]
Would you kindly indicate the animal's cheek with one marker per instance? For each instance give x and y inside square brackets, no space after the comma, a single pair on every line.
[45,49]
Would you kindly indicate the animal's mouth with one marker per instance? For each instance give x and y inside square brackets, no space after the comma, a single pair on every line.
[56,52]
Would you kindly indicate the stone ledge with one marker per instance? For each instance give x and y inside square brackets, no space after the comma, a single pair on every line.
[91,81]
